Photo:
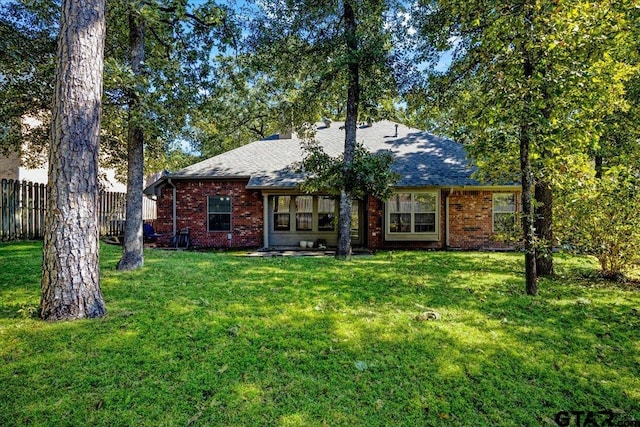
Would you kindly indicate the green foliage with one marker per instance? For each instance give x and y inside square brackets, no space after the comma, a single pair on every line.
[369,173]
[240,108]
[600,217]
[27,50]
[301,47]
[221,339]
[579,51]
[177,72]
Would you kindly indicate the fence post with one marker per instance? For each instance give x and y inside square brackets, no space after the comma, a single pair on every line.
[13,227]
[4,210]
[24,209]
[44,194]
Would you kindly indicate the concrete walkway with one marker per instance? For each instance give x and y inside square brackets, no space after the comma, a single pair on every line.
[295,251]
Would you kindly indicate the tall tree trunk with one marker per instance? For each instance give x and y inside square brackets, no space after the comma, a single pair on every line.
[132,250]
[543,208]
[527,212]
[544,227]
[70,270]
[598,162]
[353,99]
[527,182]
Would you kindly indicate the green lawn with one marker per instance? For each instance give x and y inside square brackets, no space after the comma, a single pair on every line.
[218,339]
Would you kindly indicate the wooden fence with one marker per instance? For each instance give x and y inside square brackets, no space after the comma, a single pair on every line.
[23,205]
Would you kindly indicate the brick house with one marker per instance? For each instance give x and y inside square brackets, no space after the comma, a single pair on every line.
[249,197]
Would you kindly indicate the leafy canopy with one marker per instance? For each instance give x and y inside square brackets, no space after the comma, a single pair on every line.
[369,174]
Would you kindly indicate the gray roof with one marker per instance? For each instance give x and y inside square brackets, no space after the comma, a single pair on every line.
[422,159]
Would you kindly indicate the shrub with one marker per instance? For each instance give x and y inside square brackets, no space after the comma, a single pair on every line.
[600,216]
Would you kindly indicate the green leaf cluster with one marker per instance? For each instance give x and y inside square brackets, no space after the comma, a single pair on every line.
[368,174]
[177,72]
[27,52]
[300,48]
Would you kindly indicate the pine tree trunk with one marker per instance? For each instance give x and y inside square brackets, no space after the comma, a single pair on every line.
[132,250]
[353,99]
[544,227]
[70,270]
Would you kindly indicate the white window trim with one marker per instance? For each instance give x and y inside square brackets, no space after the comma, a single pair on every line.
[494,211]
[289,212]
[317,214]
[413,236]
[315,229]
[230,213]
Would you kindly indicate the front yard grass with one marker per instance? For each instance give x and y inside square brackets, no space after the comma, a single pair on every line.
[218,339]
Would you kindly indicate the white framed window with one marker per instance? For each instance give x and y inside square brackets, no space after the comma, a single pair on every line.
[219,213]
[504,212]
[307,213]
[412,216]
[282,213]
[304,213]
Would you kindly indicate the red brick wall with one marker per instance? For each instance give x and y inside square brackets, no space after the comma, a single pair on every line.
[375,231]
[471,220]
[470,223]
[246,222]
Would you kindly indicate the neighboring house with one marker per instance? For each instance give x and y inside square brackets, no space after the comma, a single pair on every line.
[249,196]
[11,167]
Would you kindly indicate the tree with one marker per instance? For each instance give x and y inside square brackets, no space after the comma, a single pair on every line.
[598,216]
[529,83]
[150,86]
[70,273]
[370,173]
[240,108]
[314,51]
[151,94]
[132,247]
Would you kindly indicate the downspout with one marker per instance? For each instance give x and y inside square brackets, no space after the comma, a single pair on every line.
[174,207]
[265,222]
[446,219]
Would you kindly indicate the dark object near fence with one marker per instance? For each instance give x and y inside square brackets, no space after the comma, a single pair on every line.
[149,233]
[182,239]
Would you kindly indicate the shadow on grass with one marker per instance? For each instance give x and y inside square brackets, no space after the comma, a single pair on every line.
[211,339]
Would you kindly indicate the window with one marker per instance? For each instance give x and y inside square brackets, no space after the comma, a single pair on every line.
[400,213]
[504,212]
[219,213]
[355,220]
[304,213]
[326,213]
[424,211]
[412,216]
[281,213]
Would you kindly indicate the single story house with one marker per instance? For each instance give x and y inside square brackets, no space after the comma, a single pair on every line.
[249,196]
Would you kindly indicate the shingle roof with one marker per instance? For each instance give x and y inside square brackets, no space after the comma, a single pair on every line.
[422,159]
